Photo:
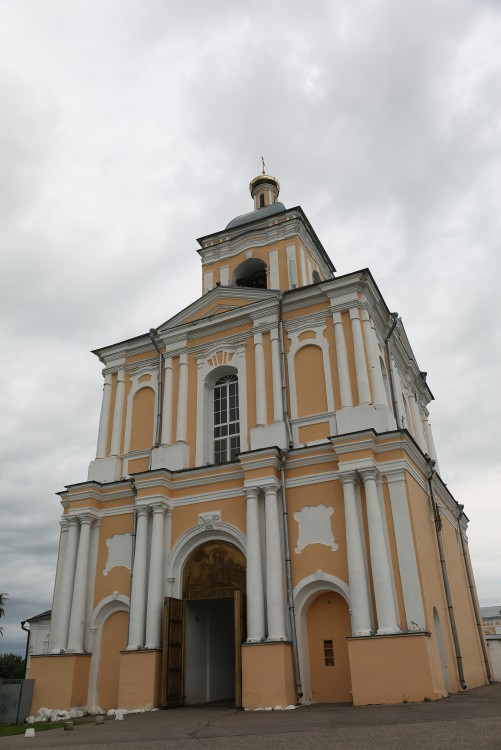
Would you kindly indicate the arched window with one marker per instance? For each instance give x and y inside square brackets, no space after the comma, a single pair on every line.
[226,419]
[251,273]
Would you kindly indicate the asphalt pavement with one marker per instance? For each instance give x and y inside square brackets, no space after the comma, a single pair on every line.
[470,720]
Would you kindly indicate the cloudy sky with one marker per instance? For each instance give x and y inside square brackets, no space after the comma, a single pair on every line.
[130,127]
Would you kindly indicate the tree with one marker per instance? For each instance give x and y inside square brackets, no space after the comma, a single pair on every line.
[11,667]
[4,598]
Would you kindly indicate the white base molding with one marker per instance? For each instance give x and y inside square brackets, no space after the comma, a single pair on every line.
[268,436]
[104,470]
[173,457]
[363,417]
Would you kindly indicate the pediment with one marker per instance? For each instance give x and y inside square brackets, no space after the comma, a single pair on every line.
[219,300]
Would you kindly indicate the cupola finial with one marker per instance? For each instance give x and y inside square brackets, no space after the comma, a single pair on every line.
[264,188]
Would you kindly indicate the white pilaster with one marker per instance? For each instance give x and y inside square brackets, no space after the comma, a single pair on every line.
[56,603]
[242,397]
[359,586]
[364,393]
[102,438]
[417,424]
[255,593]
[116,435]
[277,376]
[138,588]
[202,411]
[378,391]
[261,404]
[167,404]
[380,563]
[61,624]
[274,571]
[77,618]
[182,399]
[155,593]
[407,563]
[342,361]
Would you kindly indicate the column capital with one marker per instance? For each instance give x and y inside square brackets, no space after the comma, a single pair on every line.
[396,475]
[270,488]
[251,491]
[354,314]
[72,520]
[121,376]
[158,507]
[142,510]
[371,472]
[64,523]
[86,518]
[347,477]
[167,361]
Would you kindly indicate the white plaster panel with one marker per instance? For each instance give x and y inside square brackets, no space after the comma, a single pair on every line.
[208,281]
[119,552]
[315,527]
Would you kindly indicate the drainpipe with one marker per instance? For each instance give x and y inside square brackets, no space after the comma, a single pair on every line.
[285,514]
[153,333]
[473,598]
[26,630]
[450,608]
[395,317]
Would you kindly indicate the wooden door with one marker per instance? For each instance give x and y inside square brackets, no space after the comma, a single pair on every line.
[173,653]
[239,636]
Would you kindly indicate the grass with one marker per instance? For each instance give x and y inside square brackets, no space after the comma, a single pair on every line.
[6,730]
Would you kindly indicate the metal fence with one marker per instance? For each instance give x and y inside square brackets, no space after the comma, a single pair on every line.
[15,700]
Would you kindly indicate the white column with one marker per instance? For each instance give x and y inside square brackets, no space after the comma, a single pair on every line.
[138,588]
[364,393]
[77,618]
[182,399]
[60,626]
[342,361]
[380,563]
[261,405]
[167,404]
[274,572]
[277,376]
[255,593]
[378,390]
[397,395]
[56,602]
[359,587]
[116,435]
[155,593]
[430,442]
[102,438]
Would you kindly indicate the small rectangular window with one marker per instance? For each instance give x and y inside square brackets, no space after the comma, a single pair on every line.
[328,654]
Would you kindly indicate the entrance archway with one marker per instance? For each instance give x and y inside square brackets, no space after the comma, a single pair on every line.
[203,632]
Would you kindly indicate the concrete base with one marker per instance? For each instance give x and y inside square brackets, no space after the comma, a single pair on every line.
[105,470]
[269,436]
[391,669]
[61,681]
[267,675]
[363,417]
[139,685]
[173,457]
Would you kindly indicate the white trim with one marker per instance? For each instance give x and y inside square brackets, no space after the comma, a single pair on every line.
[106,607]
[189,541]
[274,272]
[304,593]
[294,348]
[136,387]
